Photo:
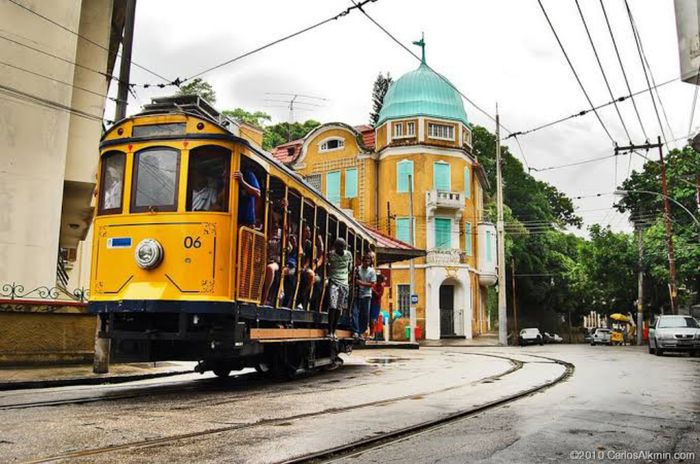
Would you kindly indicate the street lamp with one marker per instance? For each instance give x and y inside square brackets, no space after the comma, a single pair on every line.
[624,192]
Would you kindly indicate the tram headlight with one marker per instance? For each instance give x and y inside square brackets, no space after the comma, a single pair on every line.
[148,254]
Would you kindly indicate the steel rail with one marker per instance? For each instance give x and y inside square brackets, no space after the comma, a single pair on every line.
[515,366]
[358,447]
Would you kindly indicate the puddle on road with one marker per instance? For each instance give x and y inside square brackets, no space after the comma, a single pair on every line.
[383,361]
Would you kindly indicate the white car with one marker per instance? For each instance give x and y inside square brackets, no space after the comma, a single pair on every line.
[530,337]
[601,337]
[552,338]
[674,333]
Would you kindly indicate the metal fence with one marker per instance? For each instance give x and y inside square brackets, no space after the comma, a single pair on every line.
[15,291]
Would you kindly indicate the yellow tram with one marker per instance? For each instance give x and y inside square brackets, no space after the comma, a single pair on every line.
[182,256]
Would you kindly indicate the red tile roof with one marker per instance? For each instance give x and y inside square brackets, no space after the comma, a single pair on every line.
[367,132]
[288,152]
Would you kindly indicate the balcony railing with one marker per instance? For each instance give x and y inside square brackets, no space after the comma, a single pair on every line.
[438,199]
[446,257]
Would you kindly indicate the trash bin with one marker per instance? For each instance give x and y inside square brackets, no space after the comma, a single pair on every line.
[419,332]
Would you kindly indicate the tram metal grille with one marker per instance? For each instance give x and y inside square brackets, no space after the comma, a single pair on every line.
[251,264]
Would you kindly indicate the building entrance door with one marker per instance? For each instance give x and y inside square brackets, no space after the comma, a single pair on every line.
[447,305]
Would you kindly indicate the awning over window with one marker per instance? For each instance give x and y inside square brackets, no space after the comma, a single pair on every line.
[391,250]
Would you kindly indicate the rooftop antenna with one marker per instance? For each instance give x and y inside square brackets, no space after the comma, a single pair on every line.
[294,101]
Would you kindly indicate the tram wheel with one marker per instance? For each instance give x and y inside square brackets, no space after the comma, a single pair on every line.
[263,368]
[222,372]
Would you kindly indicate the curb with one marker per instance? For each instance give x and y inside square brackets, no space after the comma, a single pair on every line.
[395,345]
[52,383]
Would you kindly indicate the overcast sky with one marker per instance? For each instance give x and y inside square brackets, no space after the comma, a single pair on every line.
[493,51]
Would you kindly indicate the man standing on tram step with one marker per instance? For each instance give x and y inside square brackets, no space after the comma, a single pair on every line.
[248,194]
[366,278]
[339,266]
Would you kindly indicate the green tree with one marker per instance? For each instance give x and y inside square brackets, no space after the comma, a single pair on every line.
[199,87]
[284,132]
[257,118]
[379,90]
[646,211]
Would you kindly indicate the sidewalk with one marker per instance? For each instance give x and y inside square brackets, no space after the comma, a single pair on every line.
[487,339]
[16,378]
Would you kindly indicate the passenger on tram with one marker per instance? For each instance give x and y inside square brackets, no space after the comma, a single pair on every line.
[339,268]
[366,278]
[205,194]
[248,194]
[290,269]
[307,264]
[274,249]
[113,188]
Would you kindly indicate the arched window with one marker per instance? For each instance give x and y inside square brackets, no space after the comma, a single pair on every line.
[332,144]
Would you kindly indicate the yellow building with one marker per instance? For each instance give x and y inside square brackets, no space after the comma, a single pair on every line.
[422,134]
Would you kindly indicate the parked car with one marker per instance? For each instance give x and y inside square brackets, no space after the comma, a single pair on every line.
[530,336]
[674,333]
[552,338]
[601,337]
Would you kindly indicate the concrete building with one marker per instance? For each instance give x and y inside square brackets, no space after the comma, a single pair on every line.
[53,90]
[423,132]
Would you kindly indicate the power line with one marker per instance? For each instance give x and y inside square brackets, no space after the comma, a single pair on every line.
[586,111]
[26,8]
[26,97]
[622,68]
[443,78]
[646,75]
[59,81]
[282,39]
[602,71]
[561,46]
[576,163]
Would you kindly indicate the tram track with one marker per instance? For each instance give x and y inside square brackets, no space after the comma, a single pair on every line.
[141,444]
[166,388]
[354,449]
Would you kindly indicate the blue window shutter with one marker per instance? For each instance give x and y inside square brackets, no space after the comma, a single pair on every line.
[441,177]
[333,187]
[403,170]
[443,233]
[351,183]
[467,183]
[468,239]
[403,231]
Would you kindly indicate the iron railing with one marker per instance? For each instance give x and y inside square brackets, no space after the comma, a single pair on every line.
[15,291]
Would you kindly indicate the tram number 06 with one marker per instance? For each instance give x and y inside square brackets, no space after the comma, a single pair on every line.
[192,242]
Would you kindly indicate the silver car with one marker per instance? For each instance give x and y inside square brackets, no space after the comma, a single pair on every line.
[601,337]
[674,333]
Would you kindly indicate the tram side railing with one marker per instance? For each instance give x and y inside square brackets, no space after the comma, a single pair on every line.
[252,255]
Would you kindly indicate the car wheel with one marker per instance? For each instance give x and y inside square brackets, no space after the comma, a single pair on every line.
[659,351]
[592,343]
[651,350]
[222,372]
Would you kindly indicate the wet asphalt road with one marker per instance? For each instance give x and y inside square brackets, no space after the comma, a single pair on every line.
[618,399]
[619,404]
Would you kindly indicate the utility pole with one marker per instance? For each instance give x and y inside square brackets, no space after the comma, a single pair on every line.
[391,285]
[125,64]
[640,286]
[669,231]
[667,217]
[412,267]
[515,306]
[502,308]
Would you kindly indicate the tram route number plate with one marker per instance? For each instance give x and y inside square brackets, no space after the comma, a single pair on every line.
[414,299]
[119,242]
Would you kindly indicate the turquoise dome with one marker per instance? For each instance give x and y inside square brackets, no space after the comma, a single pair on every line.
[422,92]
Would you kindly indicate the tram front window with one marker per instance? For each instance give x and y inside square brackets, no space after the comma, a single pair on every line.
[207,183]
[155,184]
[112,188]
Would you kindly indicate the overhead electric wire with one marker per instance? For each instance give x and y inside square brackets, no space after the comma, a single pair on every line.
[602,70]
[646,75]
[27,97]
[281,39]
[576,163]
[26,8]
[568,60]
[59,81]
[443,78]
[622,68]
[584,112]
